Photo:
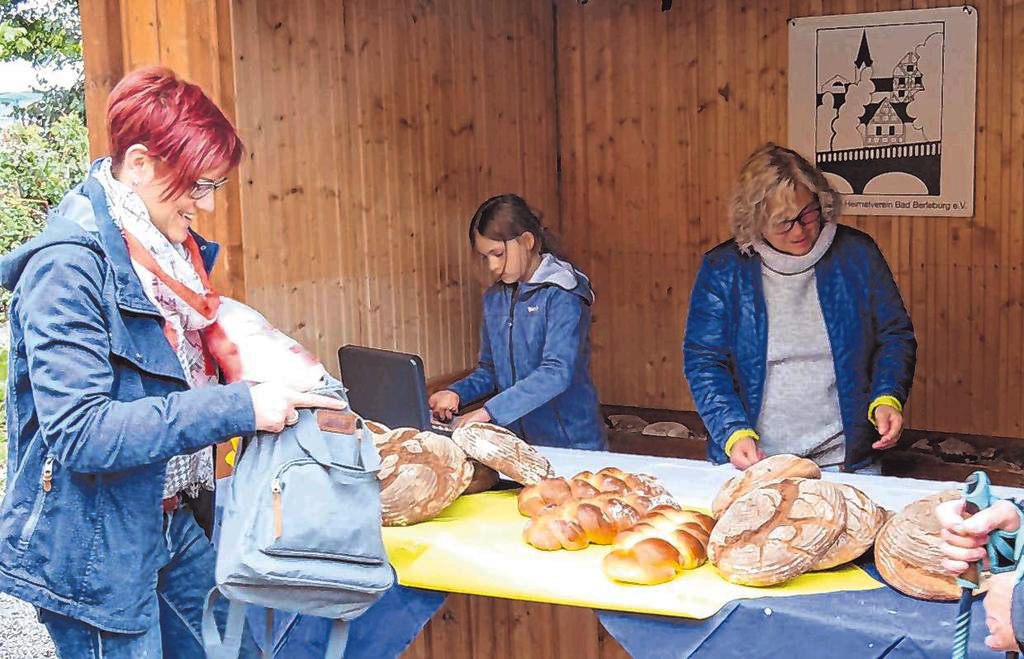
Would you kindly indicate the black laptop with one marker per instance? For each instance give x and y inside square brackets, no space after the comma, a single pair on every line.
[387,387]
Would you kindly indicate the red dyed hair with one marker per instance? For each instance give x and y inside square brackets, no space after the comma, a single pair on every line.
[178,123]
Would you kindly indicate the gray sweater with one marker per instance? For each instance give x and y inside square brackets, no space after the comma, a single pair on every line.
[800,413]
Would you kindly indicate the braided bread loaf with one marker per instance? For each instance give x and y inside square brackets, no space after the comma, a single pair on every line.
[613,479]
[576,523]
[664,542]
[545,493]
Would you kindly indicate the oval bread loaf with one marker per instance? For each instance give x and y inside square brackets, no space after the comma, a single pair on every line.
[501,450]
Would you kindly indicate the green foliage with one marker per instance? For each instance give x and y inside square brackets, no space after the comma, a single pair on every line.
[49,35]
[37,166]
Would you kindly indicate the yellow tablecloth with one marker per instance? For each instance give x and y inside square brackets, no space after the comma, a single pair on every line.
[475,546]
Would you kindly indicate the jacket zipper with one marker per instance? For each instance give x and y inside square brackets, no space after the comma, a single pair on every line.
[511,355]
[37,506]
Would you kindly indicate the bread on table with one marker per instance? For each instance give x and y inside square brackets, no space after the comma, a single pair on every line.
[864,519]
[484,478]
[777,531]
[767,470]
[612,479]
[501,450]
[421,473]
[543,493]
[376,427]
[576,523]
[908,554]
[664,542]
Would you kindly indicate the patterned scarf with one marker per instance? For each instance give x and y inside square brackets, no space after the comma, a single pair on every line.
[174,280]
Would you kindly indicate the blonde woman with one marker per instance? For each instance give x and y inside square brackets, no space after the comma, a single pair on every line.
[797,340]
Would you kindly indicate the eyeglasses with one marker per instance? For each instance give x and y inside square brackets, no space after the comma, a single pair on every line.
[811,214]
[205,186]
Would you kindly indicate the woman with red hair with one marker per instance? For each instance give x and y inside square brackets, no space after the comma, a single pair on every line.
[113,397]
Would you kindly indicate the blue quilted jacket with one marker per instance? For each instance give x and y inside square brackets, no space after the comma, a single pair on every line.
[725,347]
[535,359]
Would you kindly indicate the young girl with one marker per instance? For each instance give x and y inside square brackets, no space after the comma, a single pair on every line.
[534,346]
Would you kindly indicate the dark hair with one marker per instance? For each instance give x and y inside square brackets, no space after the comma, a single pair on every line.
[506,217]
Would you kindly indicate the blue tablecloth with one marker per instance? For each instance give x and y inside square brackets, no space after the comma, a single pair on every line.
[866,624]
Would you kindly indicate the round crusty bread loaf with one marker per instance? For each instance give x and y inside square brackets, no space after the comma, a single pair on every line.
[777,531]
[421,473]
[767,470]
[484,478]
[908,554]
[864,519]
[500,449]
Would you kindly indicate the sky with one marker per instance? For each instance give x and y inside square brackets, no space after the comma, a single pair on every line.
[18,76]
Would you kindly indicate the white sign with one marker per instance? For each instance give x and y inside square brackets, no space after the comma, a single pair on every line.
[883,104]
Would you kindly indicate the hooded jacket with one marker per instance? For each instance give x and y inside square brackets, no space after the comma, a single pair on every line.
[97,404]
[535,359]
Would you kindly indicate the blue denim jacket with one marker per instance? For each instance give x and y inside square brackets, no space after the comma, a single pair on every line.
[97,403]
[535,356]
[725,348]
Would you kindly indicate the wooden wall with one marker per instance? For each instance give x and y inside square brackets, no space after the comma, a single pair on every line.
[657,112]
[485,627]
[375,130]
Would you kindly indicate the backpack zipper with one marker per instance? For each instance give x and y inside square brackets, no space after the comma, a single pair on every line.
[275,488]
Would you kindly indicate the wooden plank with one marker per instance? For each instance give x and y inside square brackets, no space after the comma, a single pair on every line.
[104,65]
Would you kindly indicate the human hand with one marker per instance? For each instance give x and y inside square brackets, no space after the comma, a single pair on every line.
[889,422]
[476,416]
[998,601]
[745,453]
[444,404]
[964,540]
[275,405]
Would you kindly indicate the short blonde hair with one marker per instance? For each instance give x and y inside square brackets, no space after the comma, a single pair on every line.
[771,173]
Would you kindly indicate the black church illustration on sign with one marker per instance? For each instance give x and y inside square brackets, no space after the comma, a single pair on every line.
[879,108]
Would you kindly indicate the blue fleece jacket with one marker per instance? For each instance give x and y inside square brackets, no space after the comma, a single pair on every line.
[535,359]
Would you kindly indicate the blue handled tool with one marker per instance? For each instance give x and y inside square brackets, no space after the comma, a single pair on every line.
[1002,554]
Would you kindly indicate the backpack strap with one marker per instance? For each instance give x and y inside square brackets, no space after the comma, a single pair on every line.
[229,645]
[338,640]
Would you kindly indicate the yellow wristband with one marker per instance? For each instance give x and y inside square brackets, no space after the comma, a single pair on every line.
[742,433]
[891,401]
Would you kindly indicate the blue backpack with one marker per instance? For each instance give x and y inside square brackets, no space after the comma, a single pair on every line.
[301,529]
